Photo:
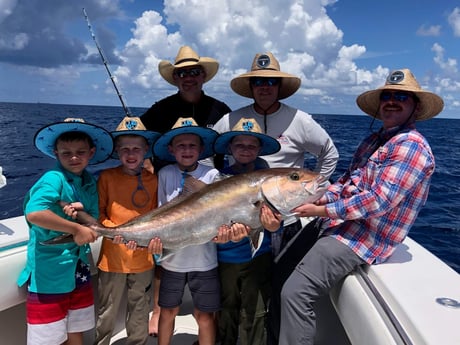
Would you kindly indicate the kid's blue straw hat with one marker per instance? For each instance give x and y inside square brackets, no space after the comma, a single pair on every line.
[185,126]
[45,138]
[131,125]
[268,144]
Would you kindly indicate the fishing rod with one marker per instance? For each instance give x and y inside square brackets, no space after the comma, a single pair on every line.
[104,60]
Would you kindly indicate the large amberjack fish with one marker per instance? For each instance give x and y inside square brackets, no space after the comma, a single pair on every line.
[194,218]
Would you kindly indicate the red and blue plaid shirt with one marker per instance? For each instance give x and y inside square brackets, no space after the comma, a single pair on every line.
[375,203]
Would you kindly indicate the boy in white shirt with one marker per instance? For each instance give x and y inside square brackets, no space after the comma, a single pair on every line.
[194,265]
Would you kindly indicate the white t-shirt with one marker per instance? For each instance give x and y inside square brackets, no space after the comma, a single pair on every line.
[202,257]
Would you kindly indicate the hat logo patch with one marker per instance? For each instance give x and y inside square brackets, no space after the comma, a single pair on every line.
[263,61]
[396,77]
[186,123]
[248,126]
[131,124]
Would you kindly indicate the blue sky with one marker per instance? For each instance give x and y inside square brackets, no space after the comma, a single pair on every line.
[338,48]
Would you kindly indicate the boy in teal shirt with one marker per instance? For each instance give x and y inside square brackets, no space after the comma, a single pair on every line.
[59,303]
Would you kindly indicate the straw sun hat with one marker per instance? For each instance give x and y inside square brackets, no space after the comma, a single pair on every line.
[45,138]
[187,57]
[134,126]
[402,80]
[265,65]
[185,125]
[244,126]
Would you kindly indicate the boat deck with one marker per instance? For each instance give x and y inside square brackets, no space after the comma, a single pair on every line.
[185,332]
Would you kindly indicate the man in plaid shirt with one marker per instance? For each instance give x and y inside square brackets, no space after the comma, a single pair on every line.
[371,208]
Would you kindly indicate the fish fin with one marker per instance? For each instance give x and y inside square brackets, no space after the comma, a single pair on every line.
[165,254]
[256,238]
[64,238]
[220,176]
[192,185]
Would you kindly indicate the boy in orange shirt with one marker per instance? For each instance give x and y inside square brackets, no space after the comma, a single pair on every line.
[125,192]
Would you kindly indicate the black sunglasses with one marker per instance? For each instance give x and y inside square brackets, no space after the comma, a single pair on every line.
[263,81]
[399,96]
[192,72]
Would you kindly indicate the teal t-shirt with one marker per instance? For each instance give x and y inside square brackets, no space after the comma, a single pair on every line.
[51,268]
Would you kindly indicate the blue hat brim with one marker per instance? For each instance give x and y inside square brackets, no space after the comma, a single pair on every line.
[150,136]
[207,135]
[269,145]
[45,138]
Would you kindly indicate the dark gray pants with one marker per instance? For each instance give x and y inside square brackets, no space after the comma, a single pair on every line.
[325,264]
[283,267]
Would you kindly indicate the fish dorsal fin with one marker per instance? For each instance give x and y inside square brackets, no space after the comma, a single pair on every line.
[192,185]
[221,176]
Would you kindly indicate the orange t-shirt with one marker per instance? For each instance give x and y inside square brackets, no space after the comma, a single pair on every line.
[119,201]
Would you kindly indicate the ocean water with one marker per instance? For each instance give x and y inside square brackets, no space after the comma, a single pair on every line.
[437,227]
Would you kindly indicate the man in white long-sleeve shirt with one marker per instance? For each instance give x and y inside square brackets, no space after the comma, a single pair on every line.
[298,133]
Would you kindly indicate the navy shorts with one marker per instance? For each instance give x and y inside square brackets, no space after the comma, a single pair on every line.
[204,288]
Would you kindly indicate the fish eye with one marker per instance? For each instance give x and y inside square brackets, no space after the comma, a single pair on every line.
[295,176]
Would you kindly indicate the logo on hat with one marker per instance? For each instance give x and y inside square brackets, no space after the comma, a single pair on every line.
[263,61]
[187,123]
[131,125]
[395,77]
[248,126]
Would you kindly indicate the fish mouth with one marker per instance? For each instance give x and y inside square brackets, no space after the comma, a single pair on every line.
[269,204]
[274,209]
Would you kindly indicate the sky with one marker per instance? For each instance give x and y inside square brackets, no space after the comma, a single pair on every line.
[339,48]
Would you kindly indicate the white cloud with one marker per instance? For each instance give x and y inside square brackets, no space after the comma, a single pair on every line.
[433,30]
[454,21]
[15,42]
[301,35]
[6,8]
[449,65]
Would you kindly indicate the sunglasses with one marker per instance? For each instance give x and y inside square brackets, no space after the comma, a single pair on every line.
[399,96]
[261,81]
[192,72]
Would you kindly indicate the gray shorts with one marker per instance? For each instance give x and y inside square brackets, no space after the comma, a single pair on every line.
[204,288]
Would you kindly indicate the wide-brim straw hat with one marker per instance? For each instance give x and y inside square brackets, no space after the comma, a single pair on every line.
[244,126]
[187,57]
[45,138]
[430,104]
[185,125]
[265,65]
[132,125]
